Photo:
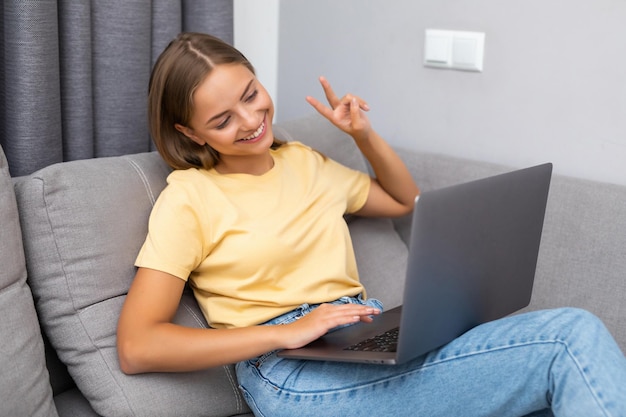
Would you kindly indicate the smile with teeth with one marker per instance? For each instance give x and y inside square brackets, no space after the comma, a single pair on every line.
[256,133]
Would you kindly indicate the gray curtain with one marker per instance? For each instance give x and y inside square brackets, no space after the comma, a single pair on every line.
[74,73]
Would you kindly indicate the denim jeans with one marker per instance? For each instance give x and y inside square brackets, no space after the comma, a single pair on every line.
[563,360]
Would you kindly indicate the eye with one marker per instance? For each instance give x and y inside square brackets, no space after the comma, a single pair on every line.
[223,124]
[252,96]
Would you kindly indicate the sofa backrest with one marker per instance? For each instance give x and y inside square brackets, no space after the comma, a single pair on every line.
[582,260]
[24,386]
[83,223]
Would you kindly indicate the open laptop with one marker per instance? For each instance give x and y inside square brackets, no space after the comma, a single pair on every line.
[472,259]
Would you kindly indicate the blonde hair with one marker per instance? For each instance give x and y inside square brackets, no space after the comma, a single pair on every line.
[176,75]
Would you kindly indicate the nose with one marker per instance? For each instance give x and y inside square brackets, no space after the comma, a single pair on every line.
[249,119]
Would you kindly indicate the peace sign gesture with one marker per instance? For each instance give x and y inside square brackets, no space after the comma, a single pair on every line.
[347,113]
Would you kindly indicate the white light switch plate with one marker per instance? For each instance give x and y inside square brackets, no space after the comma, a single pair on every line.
[454,49]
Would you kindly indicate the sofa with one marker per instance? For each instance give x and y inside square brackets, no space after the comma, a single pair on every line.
[69,234]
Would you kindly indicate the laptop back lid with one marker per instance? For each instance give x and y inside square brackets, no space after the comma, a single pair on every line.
[473,255]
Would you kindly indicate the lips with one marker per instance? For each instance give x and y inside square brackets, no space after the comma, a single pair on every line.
[257,134]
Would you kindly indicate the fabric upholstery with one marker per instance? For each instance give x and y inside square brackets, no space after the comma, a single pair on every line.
[22,358]
[72,403]
[83,223]
[381,256]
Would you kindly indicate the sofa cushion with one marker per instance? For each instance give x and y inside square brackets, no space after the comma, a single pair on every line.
[24,387]
[381,256]
[83,224]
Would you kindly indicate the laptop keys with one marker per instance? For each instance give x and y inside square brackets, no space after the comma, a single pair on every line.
[384,342]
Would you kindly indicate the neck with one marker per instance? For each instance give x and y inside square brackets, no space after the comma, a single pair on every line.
[246,165]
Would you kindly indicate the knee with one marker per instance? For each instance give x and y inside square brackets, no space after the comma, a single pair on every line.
[579,321]
[576,316]
[575,313]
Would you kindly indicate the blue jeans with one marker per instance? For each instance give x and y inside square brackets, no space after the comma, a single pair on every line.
[563,360]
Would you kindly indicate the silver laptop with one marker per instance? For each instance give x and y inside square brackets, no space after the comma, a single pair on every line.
[472,259]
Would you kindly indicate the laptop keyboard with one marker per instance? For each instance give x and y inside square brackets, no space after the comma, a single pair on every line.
[384,342]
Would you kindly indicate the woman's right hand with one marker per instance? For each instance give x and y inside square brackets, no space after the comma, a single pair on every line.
[148,340]
[321,320]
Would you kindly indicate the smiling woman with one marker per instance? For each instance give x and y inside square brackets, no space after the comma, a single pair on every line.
[196,91]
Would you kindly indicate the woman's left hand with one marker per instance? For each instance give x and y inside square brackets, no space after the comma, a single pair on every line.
[347,113]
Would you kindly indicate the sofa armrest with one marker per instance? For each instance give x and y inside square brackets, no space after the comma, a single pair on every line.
[24,387]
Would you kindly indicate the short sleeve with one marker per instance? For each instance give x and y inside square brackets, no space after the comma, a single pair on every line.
[355,185]
[174,243]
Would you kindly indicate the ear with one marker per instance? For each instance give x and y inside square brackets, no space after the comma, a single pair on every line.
[189,133]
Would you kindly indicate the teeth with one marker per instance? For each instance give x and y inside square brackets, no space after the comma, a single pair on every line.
[255,134]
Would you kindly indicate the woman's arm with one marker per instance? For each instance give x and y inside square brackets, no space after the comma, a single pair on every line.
[148,341]
[393,191]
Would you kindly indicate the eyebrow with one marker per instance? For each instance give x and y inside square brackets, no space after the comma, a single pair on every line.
[217,116]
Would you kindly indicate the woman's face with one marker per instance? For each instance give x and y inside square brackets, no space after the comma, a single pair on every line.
[232,113]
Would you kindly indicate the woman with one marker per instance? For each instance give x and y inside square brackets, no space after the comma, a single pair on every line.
[257,227]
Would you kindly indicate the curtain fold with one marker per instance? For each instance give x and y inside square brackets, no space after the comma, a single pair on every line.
[74,73]
[31,105]
[75,56]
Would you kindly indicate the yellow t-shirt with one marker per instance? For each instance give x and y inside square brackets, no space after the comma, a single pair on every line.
[255,247]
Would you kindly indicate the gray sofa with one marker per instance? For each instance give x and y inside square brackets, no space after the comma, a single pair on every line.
[69,234]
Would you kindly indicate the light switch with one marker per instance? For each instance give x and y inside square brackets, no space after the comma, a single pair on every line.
[453,49]
[438,48]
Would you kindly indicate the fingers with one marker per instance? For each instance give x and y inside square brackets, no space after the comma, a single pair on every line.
[337,315]
[321,109]
[355,113]
[349,106]
[335,101]
[332,98]
[344,113]
[321,320]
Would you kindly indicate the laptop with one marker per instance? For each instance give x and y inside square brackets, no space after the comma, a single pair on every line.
[472,258]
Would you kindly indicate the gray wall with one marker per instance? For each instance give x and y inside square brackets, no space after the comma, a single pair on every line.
[553,86]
